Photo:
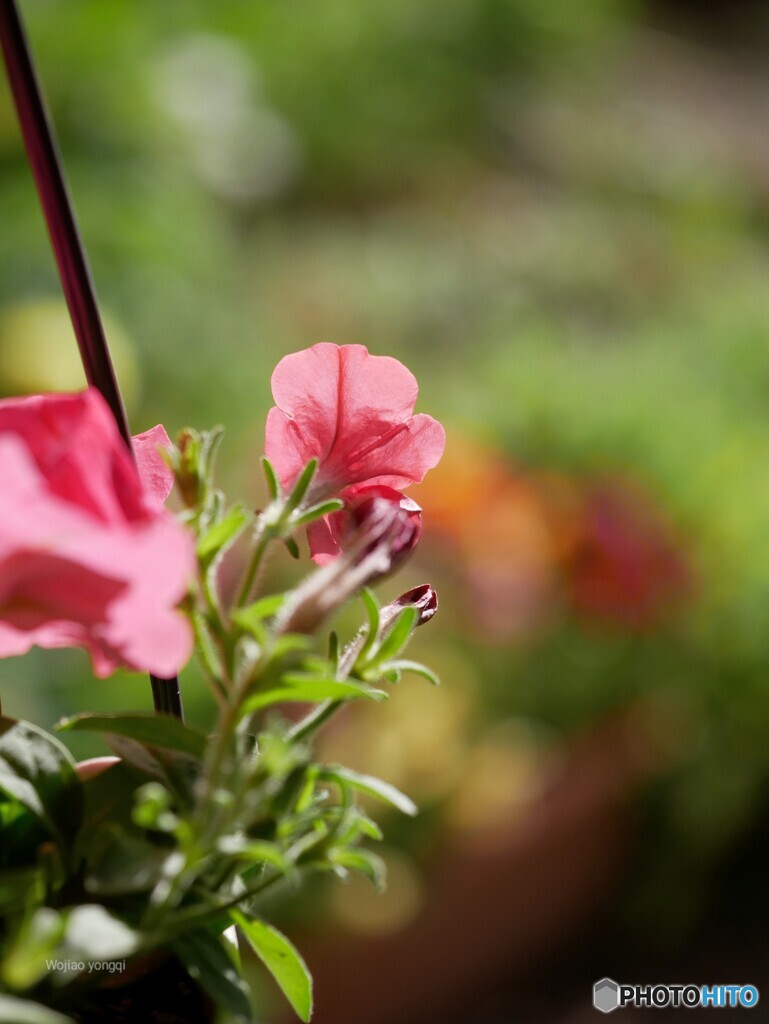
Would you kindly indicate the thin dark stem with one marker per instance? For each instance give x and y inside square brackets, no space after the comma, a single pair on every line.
[44,159]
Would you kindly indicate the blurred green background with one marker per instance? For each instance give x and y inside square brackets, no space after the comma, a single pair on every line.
[557,215]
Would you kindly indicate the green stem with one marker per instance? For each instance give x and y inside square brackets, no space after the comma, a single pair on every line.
[185,919]
[264,537]
[314,720]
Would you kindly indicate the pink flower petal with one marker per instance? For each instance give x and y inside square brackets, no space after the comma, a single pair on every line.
[325,538]
[154,472]
[76,445]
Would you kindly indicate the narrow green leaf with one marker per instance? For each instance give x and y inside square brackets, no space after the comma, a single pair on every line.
[371,785]
[209,961]
[24,1011]
[38,771]
[320,680]
[367,863]
[398,636]
[223,534]
[153,730]
[282,960]
[357,823]
[294,499]
[210,442]
[256,850]
[311,690]
[251,618]
[325,508]
[290,643]
[291,546]
[273,484]
[413,666]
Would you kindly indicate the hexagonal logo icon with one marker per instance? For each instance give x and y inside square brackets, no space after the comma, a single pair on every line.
[606,995]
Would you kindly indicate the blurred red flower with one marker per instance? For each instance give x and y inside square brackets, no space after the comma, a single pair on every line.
[626,566]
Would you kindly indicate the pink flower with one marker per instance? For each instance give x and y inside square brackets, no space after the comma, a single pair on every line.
[354,413]
[87,557]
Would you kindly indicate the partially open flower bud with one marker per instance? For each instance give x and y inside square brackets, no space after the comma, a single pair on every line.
[389,517]
[382,539]
[423,598]
[187,467]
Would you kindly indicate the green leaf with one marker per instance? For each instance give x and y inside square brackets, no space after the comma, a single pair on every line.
[310,690]
[223,534]
[119,863]
[291,546]
[24,1011]
[257,850]
[210,962]
[21,888]
[38,771]
[153,730]
[282,960]
[25,961]
[325,508]
[273,484]
[251,618]
[109,796]
[413,666]
[371,785]
[22,833]
[356,823]
[367,863]
[398,636]
[210,442]
[300,487]
[289,644]
[179,773]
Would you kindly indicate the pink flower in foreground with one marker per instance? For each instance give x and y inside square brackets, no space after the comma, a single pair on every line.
[354,413]
[88,558]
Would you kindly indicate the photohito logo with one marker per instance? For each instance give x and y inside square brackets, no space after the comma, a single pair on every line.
[609,995]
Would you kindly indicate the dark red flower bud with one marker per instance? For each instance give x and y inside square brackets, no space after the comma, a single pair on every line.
[423,598]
